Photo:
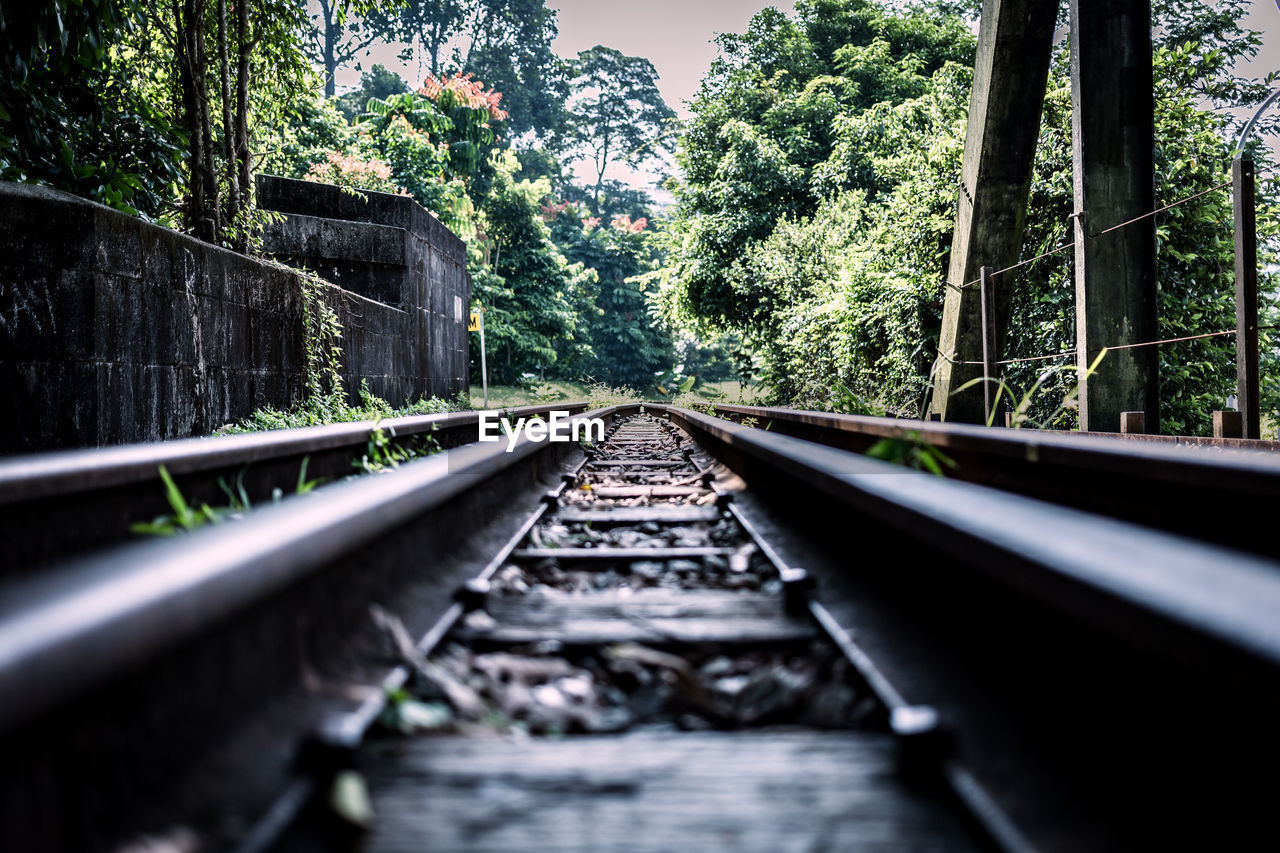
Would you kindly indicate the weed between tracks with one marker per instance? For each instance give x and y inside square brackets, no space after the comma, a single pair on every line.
[383,452]
[186,517]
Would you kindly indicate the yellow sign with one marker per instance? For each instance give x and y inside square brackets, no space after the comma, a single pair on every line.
[474,326]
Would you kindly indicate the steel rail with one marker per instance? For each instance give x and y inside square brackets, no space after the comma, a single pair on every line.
[57,505]
[203,631]
[1082,560]
[996,602]
[333,743]
[1222,494]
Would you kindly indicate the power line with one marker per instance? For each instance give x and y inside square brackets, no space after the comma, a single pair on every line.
[1071,244]
[1068,353]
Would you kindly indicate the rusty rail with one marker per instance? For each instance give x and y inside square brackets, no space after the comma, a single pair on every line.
[1216,490]
[54,506]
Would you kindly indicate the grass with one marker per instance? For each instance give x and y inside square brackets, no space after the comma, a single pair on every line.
[507,396]
[335,409]
[552,391]
[728,391]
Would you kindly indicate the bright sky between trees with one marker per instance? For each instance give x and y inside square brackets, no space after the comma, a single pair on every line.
[677,36]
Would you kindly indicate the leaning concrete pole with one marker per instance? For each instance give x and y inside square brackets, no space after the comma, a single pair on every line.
[1112,130]
[1009,76]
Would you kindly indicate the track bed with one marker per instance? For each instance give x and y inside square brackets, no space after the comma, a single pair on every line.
[766,791]
[635,680]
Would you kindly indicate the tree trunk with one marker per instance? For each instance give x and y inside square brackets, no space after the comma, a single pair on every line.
[228,129]
[245,44]
[329,48]
[437,39]
[602,163]
[209,172]
[201,218]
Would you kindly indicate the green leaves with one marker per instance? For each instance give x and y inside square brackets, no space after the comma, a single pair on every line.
[186,518]
[74,115]
[795,113]
[913,451]
[183,519]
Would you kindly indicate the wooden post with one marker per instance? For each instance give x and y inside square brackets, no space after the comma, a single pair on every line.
[484,364]
[1015,42]
[1131,423]
[1228,424]
[1112,124]
[1246,239]
[987,288]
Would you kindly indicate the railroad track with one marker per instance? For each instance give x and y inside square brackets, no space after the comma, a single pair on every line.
[1220,490]
[54,506]
[612,647]
[640,608]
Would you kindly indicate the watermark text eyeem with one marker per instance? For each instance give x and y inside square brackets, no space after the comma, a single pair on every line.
[558,426]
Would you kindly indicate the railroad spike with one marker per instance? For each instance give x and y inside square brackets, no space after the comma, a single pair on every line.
[924,743]
[473,594]
[796,586]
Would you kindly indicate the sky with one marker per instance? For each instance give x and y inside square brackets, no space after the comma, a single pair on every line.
[677,36]
[1265,17]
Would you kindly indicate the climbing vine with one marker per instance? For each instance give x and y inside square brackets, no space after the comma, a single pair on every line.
[326,393]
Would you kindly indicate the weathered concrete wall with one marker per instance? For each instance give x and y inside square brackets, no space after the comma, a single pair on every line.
[114,330]
[385,247]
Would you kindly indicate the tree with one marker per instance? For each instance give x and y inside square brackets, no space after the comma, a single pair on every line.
[258,41]
[102,96]
[536,302]
[343,29]
[761,147]
[630,344]
[504,43]
[76,114]
[438,143]
[617,113]
[377,83]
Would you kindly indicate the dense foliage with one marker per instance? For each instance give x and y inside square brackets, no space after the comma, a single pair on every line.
[71,112]
[630,344]
[817,197]
[505,43]
[149,107]
[814,204]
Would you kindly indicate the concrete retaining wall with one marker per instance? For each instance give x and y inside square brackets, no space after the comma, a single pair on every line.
[387,248]
[114,330]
